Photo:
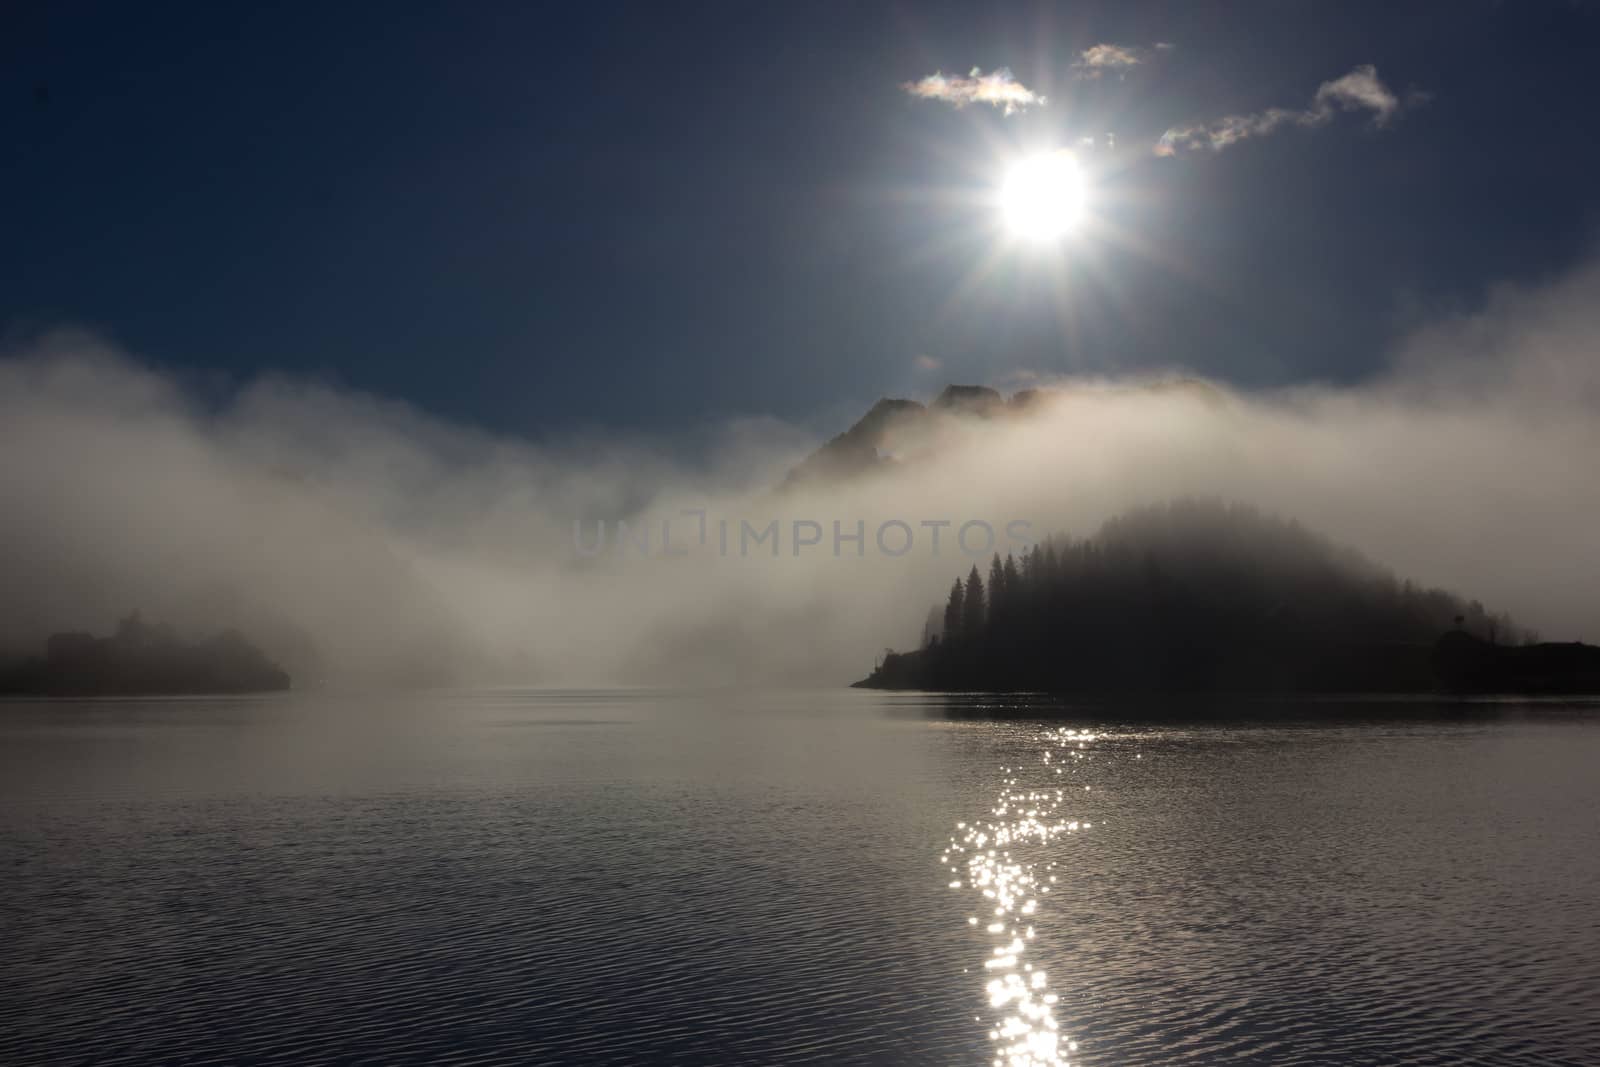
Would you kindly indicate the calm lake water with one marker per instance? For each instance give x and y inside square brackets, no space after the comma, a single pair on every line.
[636,877]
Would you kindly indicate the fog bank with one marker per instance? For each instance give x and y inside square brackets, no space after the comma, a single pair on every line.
[364,542]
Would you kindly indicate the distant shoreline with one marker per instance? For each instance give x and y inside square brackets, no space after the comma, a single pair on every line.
[144,659]
[1461,666]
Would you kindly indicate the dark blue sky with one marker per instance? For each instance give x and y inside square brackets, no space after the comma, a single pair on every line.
[539,216]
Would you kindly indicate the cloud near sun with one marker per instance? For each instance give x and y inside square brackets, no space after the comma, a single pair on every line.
[1114,58]
[999,88]
[1358,90]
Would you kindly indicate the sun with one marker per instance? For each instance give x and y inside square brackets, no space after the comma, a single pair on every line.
[1042,197]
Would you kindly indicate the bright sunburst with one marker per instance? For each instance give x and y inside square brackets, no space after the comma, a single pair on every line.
[1042,197]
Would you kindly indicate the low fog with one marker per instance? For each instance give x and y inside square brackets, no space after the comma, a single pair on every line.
[363,542]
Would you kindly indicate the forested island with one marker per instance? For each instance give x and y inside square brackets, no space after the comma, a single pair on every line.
[1206,596]
[144,658]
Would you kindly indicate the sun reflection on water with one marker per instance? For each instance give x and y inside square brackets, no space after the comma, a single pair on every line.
[1007,866]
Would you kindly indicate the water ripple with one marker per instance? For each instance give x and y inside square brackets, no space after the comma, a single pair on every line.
[749,880]
[1006,864]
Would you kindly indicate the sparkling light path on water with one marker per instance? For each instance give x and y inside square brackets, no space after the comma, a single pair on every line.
[1004,861]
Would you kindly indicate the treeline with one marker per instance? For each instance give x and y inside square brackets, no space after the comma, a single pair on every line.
[144,658]
[1192,595]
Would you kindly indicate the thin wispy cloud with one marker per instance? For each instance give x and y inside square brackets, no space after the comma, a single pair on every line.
[998,88]
[1114,58]
[1359,90]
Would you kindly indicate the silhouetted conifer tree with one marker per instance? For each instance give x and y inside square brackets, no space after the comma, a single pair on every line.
[974,606]
[997,590]
[953,614]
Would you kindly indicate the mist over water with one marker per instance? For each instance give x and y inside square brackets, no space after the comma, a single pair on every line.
[832,535]
[364,542]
